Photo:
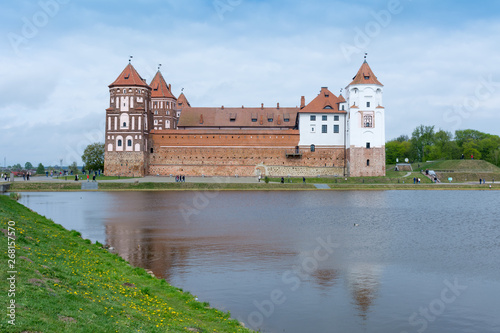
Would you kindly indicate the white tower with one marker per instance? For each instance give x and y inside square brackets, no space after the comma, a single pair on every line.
[366,125]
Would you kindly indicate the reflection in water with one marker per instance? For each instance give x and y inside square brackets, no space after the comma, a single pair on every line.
[363,280]
[236,250]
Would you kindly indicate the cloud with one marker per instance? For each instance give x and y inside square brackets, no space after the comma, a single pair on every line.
[55,90]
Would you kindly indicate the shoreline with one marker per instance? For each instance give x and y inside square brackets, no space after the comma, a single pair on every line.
[77,283]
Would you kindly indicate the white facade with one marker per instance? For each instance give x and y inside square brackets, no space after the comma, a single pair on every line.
[321,129]
[366,116]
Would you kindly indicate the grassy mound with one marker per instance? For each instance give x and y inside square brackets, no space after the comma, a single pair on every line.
[66,284]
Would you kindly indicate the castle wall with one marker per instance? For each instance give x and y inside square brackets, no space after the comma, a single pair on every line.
[357,161]
[128,164]
[242,153]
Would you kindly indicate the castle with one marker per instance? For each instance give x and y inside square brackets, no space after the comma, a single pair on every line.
[151,132]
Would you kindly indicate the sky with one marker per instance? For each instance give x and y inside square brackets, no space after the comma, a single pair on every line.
[438,61]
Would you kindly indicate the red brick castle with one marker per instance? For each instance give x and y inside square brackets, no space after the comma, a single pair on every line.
[151,132]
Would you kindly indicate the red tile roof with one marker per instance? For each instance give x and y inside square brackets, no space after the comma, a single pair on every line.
[222,117]
[129,77]
[365,76]
[159,87]
[325,102]
[182,102]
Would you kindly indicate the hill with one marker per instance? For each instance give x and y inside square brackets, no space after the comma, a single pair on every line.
[465,170]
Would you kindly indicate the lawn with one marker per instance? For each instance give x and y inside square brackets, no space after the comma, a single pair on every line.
[67,284]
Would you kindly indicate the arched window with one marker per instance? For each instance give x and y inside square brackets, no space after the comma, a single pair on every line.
[124,124]
[124,91]
[129,143]
[367,162]
[313,148]
[119,143]
[367,121]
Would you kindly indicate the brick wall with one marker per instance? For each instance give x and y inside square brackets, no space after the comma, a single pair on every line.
[130,164]
[242,153]
[357,162]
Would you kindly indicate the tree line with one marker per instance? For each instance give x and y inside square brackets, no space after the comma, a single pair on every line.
[427,145]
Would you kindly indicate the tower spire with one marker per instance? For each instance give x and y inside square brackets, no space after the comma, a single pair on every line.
[130,59]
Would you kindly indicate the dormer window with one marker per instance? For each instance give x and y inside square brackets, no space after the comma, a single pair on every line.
[367,77]
[328,107]
[127,76]
[232,117]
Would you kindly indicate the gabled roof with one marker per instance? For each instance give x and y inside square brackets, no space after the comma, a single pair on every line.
[159,87]
[325,102]
[365,76]
[182,101]
[129,77]
[223,117]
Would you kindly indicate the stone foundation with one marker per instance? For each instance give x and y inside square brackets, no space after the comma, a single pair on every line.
[357,162]
[128,164]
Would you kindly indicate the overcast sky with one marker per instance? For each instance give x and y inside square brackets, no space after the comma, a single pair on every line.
[438,61]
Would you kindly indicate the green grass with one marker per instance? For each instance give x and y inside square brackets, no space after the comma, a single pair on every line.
[464,166]
[395,178]
[66,284]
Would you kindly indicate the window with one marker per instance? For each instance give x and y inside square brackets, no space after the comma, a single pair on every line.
[368,121]
[270,120]
[254,120]
[124,124]
[342,107]
[324,117]
[336,118]
[313,129]
[313,148]
[129,143]
[368,145]
[313,118]
[367,104]
[324,128]
[286,120]
[367,162]
[119,143]
[335,128]
[151,150]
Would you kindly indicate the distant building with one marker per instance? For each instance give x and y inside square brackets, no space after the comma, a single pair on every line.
[150,131]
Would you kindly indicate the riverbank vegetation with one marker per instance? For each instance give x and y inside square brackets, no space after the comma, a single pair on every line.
[67,284]
[427,145]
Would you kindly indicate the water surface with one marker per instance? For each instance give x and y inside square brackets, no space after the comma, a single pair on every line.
[295,261]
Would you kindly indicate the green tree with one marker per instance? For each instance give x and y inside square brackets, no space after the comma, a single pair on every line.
[421,140]
[40,170]
[73,167]
[28,166]
[17,167]
[396,149]
[93,156]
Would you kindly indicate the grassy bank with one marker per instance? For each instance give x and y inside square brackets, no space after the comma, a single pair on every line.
[116,186]
[66,284]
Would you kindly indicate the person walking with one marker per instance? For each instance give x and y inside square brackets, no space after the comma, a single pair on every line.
[87,177]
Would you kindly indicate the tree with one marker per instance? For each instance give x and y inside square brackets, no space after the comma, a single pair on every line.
[93,156]
[396,149]
[73,167]
[40,170]
[17,167]
[422,139]
[28,166]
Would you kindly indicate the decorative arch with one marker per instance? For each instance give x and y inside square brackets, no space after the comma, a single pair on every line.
[124,120]
[129,142]
[119,143]
[110,147]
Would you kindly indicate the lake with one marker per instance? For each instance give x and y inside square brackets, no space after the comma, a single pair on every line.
[309,261]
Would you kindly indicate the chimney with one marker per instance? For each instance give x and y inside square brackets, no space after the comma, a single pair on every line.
[302,102]
[201,118]
[262,106]
[242,106]
[222,107]
[277,107]
[169,87]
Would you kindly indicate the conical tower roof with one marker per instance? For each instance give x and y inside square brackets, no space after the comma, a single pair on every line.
[160,88]
[129,77]
[182,101]
[365,76]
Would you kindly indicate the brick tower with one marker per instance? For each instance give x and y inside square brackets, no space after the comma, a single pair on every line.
[164,104]
[128,125]
[366,124]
